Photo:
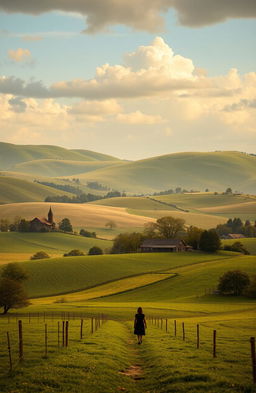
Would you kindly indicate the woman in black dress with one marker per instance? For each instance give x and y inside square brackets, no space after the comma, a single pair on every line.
[139,325]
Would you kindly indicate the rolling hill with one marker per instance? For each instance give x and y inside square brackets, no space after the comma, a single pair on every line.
[198,171]
[18,190]
[54,168]
[11,154]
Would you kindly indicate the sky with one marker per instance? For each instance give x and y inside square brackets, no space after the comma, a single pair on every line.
[133,79]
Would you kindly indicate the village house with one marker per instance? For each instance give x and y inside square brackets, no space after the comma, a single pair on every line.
[164,245]
[234,236]
[43,224]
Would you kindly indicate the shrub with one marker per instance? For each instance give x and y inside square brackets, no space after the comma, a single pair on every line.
[95,251]
[233,283]
[251,290]
[40,255]
[236,247]
[74,253]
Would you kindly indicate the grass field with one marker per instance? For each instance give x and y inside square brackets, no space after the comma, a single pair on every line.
[249,243]
[196,171]
[16,246]
[53,168]
[18,190]
[81,215]
[110,360]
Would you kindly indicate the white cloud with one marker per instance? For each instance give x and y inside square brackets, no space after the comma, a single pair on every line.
[19,55]
[107,107]
[141,15]
[139,118]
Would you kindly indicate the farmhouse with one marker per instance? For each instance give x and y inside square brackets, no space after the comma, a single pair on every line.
[164,245]
[43,224]
[233,236]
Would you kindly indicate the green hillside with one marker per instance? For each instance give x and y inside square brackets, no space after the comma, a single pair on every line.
[52,243]
[249,244]
[17,190]
[63,275]
[198,171]
[11,155]
[190,281]
[53,168]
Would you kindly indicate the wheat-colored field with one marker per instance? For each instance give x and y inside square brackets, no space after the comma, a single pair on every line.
[80,215]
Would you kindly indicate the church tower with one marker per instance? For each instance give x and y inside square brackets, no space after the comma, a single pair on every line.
[50,216]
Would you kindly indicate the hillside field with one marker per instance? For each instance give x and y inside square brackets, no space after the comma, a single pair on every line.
[167,285]
[16,246]
[81,215]
[18,190]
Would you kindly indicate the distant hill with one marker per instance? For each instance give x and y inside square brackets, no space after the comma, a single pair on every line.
[19,190]
[198,171]
[55,168]
[11,154]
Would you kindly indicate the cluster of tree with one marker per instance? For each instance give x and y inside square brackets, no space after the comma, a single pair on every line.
[177,190]
[85,233]
[237,283]
[81,198]
[96,186]
[236,225]
[12,294]
[78,253]
[18,225]
[62,187]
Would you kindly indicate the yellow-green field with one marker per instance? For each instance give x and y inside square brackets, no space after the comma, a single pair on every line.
[167,285]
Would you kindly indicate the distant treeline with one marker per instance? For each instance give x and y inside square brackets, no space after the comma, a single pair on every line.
[62,187]
[82,198]
[236,225]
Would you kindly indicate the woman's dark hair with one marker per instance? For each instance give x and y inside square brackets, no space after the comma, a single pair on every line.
[139,311]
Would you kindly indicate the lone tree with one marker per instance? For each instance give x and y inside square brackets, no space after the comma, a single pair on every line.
[193,236]
[165,227]
[209,241]
[12,294]
[65,225]
[233,283]
[110,224]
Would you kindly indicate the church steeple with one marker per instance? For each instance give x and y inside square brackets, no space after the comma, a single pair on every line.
[50,216]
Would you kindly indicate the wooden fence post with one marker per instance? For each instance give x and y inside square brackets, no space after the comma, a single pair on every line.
[166,325]
[45,341]
[183,331]
[161,323]
[63,333]
[214,343]
[9,351]
[252,341]
[66,341]
[81,329]
[20,342]
[175,328]
[197,336]
[92,325]
[58,333]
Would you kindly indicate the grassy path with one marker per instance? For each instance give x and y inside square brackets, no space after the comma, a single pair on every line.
[110,361]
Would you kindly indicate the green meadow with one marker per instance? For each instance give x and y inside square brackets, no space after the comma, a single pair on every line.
[171,286]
